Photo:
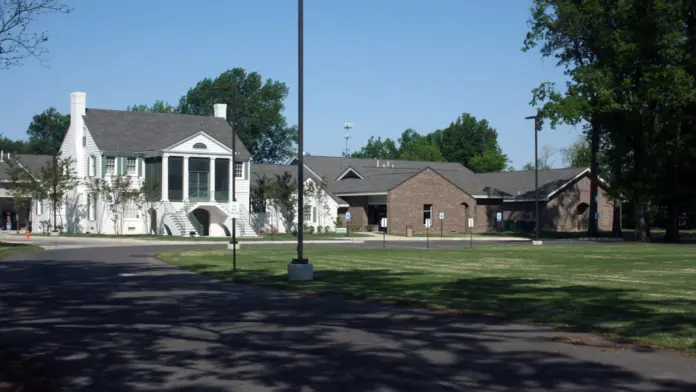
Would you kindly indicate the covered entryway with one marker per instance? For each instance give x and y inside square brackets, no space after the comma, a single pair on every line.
[203,217]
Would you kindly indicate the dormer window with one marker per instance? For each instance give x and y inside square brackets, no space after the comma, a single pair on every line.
[200,146]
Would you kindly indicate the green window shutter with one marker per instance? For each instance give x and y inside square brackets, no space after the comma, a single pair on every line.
[103,165]
[248,169]
[141,167]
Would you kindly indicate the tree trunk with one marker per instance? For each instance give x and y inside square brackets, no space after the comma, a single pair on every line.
[592,229]
[617,220]
[672,224]
[642,229]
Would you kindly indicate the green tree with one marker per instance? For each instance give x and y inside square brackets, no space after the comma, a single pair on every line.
[377,148]
[544,159]
[254,107]
[157,107]
[472,143]
[282,194]
[414,147]
[17,42]
[46,132]
[13,146]
[577,154]
[21,188]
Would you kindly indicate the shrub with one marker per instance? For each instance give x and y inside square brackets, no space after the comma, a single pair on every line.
[310,229]
[327,229]
[319,229]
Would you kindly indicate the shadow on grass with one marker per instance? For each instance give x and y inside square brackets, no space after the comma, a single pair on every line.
[623,314]
[105,321]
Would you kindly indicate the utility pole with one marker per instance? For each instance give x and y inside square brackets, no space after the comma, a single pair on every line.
[299,268]
[235,211]
[537,129]
[346,135]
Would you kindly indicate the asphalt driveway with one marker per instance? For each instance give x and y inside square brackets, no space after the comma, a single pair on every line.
[112,319]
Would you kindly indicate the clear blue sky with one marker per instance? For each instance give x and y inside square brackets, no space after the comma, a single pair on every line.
[384,65]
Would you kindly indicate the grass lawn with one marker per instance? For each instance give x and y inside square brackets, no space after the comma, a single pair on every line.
[277,237]
[638,291]
[7,250]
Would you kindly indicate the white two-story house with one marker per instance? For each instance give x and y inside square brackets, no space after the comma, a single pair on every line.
[188,156]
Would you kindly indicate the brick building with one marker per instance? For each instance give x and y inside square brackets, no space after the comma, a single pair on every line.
[408,193]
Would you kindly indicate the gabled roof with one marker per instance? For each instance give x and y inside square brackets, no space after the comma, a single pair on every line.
[32,163]
[259,170]
[381,176]
[520,184]
[120,130]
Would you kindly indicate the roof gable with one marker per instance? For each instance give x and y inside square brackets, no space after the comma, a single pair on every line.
[120,130]
[349,173]
[198,142]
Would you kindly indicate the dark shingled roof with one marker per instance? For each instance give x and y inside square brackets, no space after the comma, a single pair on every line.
[378,178]
[520,184]
[119,130]
[259,170]
[33,163]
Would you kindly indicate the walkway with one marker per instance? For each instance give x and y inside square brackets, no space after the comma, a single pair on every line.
[112,319]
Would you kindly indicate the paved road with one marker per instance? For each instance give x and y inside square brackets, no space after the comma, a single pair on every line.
[112,319]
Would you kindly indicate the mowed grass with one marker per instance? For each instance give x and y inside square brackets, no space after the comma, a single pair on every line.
[642,292]
[7,249]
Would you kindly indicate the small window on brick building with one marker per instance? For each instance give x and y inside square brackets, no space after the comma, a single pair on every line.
[528,216]
[427,212]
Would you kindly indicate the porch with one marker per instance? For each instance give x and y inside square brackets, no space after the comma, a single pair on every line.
[196,179]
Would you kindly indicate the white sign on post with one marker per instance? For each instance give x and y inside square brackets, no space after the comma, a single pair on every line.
[384,222]
[348,216]
[428,224]
[471,222]
[442,216]
[499,216]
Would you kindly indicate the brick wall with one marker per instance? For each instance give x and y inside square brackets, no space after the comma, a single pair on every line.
[563,210]
[405,204]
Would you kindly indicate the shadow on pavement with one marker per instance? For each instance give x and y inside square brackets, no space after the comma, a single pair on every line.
[159,329]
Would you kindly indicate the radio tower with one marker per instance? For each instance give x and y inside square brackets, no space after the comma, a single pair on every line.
[346,135]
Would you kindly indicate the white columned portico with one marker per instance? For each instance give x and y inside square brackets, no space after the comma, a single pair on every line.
[186,178]
[212,179]
[165,177]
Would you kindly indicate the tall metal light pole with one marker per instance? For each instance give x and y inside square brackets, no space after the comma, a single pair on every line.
[299,268]
[536,174]
[233,242]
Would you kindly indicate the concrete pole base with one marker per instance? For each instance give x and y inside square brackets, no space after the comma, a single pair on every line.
[233,246]
[535,242]
[300,272]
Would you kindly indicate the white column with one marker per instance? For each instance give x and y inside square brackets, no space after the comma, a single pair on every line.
[231,175]
[165,177]
[212,179]
[186,178]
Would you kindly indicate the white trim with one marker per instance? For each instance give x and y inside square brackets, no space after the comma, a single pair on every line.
[343,205]
[582,173]
[349,169]
[486,197]
[200,133]
[361,194]
[511,200]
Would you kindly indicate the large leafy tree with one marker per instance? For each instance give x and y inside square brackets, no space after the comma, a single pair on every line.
[631,79]
[17,42]
[255,108]
[410,146]
[46,132]
[467,141]
[472,143]
[578,154]
[157,107]
[378,149]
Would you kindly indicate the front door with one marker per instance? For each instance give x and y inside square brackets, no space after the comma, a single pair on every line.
[199,186]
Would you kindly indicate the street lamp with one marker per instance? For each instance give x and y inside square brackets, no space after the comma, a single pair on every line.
[299,268]
[537,129]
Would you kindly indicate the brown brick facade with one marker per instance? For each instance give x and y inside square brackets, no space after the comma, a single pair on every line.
[405,204]
[569,210]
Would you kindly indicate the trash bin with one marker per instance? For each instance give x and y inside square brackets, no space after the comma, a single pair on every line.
[409,231]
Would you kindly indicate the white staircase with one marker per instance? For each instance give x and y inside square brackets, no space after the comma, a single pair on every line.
[244,228]
[180,219]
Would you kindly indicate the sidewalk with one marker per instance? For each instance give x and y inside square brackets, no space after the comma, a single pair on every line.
[436,237]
